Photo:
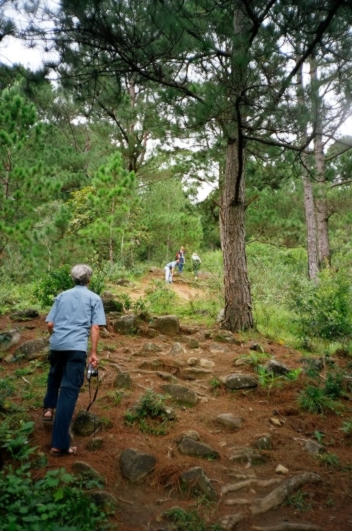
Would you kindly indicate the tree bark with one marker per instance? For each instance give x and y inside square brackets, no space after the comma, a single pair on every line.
[238,305]
[321,201]
[313,268]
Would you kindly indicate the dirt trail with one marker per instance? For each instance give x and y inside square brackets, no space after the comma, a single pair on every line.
[326,504]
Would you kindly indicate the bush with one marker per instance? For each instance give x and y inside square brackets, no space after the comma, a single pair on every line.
[160,297]
[54,502]
[59,280]
[315,400]
[325,309]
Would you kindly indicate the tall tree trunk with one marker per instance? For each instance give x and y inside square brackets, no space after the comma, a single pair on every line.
[311,227]
[238,301]
[322,211]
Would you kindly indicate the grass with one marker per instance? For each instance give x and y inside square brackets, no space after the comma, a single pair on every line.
[150,414]
[188,521]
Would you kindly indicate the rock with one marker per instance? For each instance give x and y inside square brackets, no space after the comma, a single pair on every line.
[189,434]
[239,380]
[123,282]
[166,324]
[247,455]
[104,333]
[263,443]
[110,304]
[229,522]
[123,381]
[312,364]
[85,471]
[86,423]
[193,343]
[31,350]
[24,315]
[196,480]
[276,368]
[106,501]
[136,465]
[177,349]
[224,336]
[256,347]
[206,364]
[165,376]
[181,394]
[127,324]
[193,373]
[229,420]
[313,447]
[221,316]
[280,469]
[151,347]
[197,449]
[95,444]
[8,339]
[275,421]
[215,348]
[192,361]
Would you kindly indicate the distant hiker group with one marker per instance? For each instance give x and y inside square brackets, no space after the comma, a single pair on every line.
[179,262]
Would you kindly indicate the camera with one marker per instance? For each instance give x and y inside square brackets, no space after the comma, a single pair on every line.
[91,372]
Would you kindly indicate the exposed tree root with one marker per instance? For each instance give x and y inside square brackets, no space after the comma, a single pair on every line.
[289,527]
[277,496]
[249,483]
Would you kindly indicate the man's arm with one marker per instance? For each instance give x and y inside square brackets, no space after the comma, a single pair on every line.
[50,327]
[94,336]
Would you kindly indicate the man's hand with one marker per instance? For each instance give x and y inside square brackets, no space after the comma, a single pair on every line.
[93,359]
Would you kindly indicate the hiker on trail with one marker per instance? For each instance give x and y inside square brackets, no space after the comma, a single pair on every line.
[180,255]
[76,313]
[169,271]
[196,261]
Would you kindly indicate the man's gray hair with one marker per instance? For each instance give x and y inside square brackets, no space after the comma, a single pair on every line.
[81,273]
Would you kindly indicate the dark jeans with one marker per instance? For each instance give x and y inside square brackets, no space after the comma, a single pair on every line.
[66,376]
[180,266]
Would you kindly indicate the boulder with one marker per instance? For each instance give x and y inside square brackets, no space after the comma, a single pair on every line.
[229,420]
[177,349]
[196,480]
[86,423]
[24,315]
[194,448]
[123,381]
[127,324]
[136,465]
[166,324]
[181,394]
[104,500]
[95,444]
[276,368]
[33,349]
[8,339]
[239,381]
[224,336]
[110,304]
[87,472]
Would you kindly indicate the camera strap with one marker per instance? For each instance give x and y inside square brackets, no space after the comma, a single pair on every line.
[90,394]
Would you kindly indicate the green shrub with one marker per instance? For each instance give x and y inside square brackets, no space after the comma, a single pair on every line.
[160,297]
[58,280]
[315,400]
[188,520]
[150,414]
[324,309]
[54,502]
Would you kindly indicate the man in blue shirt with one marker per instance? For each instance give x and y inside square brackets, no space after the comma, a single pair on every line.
[76,314]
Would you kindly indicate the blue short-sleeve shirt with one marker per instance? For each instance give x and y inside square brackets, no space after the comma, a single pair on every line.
[73,313]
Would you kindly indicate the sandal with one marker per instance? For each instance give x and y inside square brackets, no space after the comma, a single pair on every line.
[48,419]
[60,453]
